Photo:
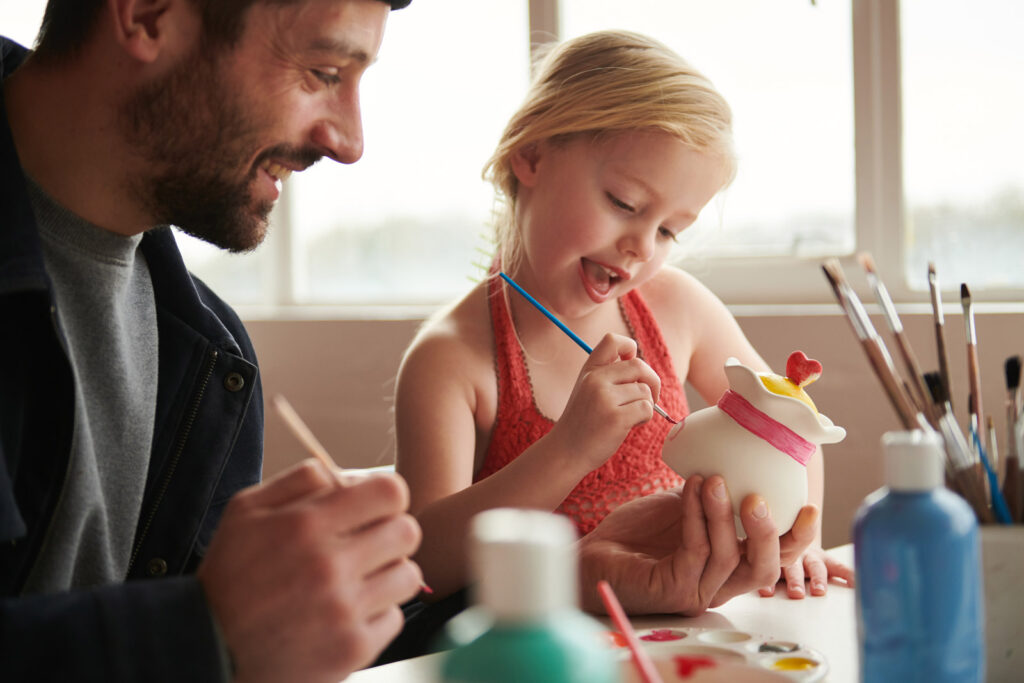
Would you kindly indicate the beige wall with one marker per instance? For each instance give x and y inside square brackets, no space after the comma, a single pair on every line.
[339,376]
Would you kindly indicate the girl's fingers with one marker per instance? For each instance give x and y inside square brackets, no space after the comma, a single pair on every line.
[794,575]
[817,573]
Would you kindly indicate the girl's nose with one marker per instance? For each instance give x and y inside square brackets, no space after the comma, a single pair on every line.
[638,244]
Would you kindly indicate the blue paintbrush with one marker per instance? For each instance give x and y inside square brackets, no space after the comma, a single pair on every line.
[572,335]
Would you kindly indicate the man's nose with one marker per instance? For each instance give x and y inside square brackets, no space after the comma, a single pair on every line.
[339,133]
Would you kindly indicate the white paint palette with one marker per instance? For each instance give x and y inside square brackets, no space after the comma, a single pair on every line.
[694,655]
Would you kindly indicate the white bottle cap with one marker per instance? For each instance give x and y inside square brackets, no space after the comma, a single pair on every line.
[914,460]
[524,562]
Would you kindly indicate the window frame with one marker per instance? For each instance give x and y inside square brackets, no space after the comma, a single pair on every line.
[769,283]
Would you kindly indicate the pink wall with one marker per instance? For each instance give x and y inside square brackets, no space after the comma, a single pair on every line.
[339,376]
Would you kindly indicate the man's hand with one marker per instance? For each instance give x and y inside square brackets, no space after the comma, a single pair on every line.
[306,571]
[677,551]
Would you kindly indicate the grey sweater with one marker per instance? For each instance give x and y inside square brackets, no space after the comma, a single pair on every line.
[106,311]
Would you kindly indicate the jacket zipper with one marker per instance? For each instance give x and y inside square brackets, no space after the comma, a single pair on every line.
[211,361]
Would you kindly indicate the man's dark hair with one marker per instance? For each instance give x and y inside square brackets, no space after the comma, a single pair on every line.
[68,23]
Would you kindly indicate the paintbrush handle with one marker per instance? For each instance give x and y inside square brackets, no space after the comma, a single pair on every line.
[550,316]
[918,390]
[971,486]
[565,328]
[642,660]
[897,395]
[940,345]
[1012,489]
[974,377]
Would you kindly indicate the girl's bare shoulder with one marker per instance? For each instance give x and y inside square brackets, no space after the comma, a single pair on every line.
[455,341]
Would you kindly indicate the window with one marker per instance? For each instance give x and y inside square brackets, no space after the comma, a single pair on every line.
[963,103]
[860,125]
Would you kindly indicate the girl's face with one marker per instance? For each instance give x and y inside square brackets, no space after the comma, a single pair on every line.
[598,219]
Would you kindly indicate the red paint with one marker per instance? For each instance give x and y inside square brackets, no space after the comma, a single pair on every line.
[801,370]
[765,426]
[687,666]
[662,634]
[616,639]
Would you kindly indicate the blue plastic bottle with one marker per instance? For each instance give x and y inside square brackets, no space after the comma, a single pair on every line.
[525,565]
[920,609]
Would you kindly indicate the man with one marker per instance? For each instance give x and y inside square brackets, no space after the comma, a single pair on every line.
[130,407]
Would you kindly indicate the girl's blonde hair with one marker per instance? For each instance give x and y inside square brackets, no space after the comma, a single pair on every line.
[601,84]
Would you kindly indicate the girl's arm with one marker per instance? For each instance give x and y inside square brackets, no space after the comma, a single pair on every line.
[441,394]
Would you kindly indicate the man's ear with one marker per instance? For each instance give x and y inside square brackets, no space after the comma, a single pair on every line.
[524,163]
[141,27]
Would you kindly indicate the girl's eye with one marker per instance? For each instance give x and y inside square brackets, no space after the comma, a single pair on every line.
[619,203]
[665,232]
[328,77]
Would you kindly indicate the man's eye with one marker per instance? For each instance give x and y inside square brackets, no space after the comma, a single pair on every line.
[329,77]
[619,203]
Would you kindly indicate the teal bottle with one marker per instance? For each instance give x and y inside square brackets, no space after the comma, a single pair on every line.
[920,609]
[524,564]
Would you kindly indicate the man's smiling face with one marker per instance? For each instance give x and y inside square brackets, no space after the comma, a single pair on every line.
[226,126]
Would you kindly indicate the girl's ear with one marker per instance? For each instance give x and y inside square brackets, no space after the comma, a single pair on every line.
[524,164]
[142,27]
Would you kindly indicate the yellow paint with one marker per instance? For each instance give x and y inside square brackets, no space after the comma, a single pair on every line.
[794,664]
[777,384]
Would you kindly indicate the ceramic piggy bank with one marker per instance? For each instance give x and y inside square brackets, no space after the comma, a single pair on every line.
[759,436]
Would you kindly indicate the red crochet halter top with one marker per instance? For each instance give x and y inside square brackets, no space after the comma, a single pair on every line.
[636,469]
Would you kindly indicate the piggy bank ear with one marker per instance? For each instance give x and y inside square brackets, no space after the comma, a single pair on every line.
[801,370]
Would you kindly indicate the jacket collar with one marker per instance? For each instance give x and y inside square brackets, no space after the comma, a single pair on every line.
[21,257]
[21,261]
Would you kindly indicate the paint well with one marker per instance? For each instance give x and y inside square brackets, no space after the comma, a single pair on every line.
[724,636]
[795,664]
[663,635]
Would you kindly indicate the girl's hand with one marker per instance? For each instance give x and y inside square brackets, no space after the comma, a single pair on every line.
[614,392]
[817,568]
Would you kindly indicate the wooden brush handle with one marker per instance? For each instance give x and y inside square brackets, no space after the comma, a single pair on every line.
[974,376]
[972,488]
[893,387]
[1012,490]
[940,345]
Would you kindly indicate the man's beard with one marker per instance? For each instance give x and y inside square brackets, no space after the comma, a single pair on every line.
[196,131]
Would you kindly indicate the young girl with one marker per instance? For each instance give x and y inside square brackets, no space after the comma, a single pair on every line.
[618,147]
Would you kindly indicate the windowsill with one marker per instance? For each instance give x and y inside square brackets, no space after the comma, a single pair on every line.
[301,313]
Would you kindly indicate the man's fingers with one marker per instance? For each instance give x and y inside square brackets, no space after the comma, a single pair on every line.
[383,543]
[725,550]
[295,483]
[762,551]
[392,584]
[800,536]
[350,507]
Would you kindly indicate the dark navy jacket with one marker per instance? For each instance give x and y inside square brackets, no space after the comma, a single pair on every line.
[207,444]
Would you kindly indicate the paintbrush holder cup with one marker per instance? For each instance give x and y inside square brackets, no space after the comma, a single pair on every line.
[757,440]
[1002,564]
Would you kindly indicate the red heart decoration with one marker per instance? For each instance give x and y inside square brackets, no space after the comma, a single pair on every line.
[801,370]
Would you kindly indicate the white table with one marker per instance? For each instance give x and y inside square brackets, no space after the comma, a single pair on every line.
[825,624]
